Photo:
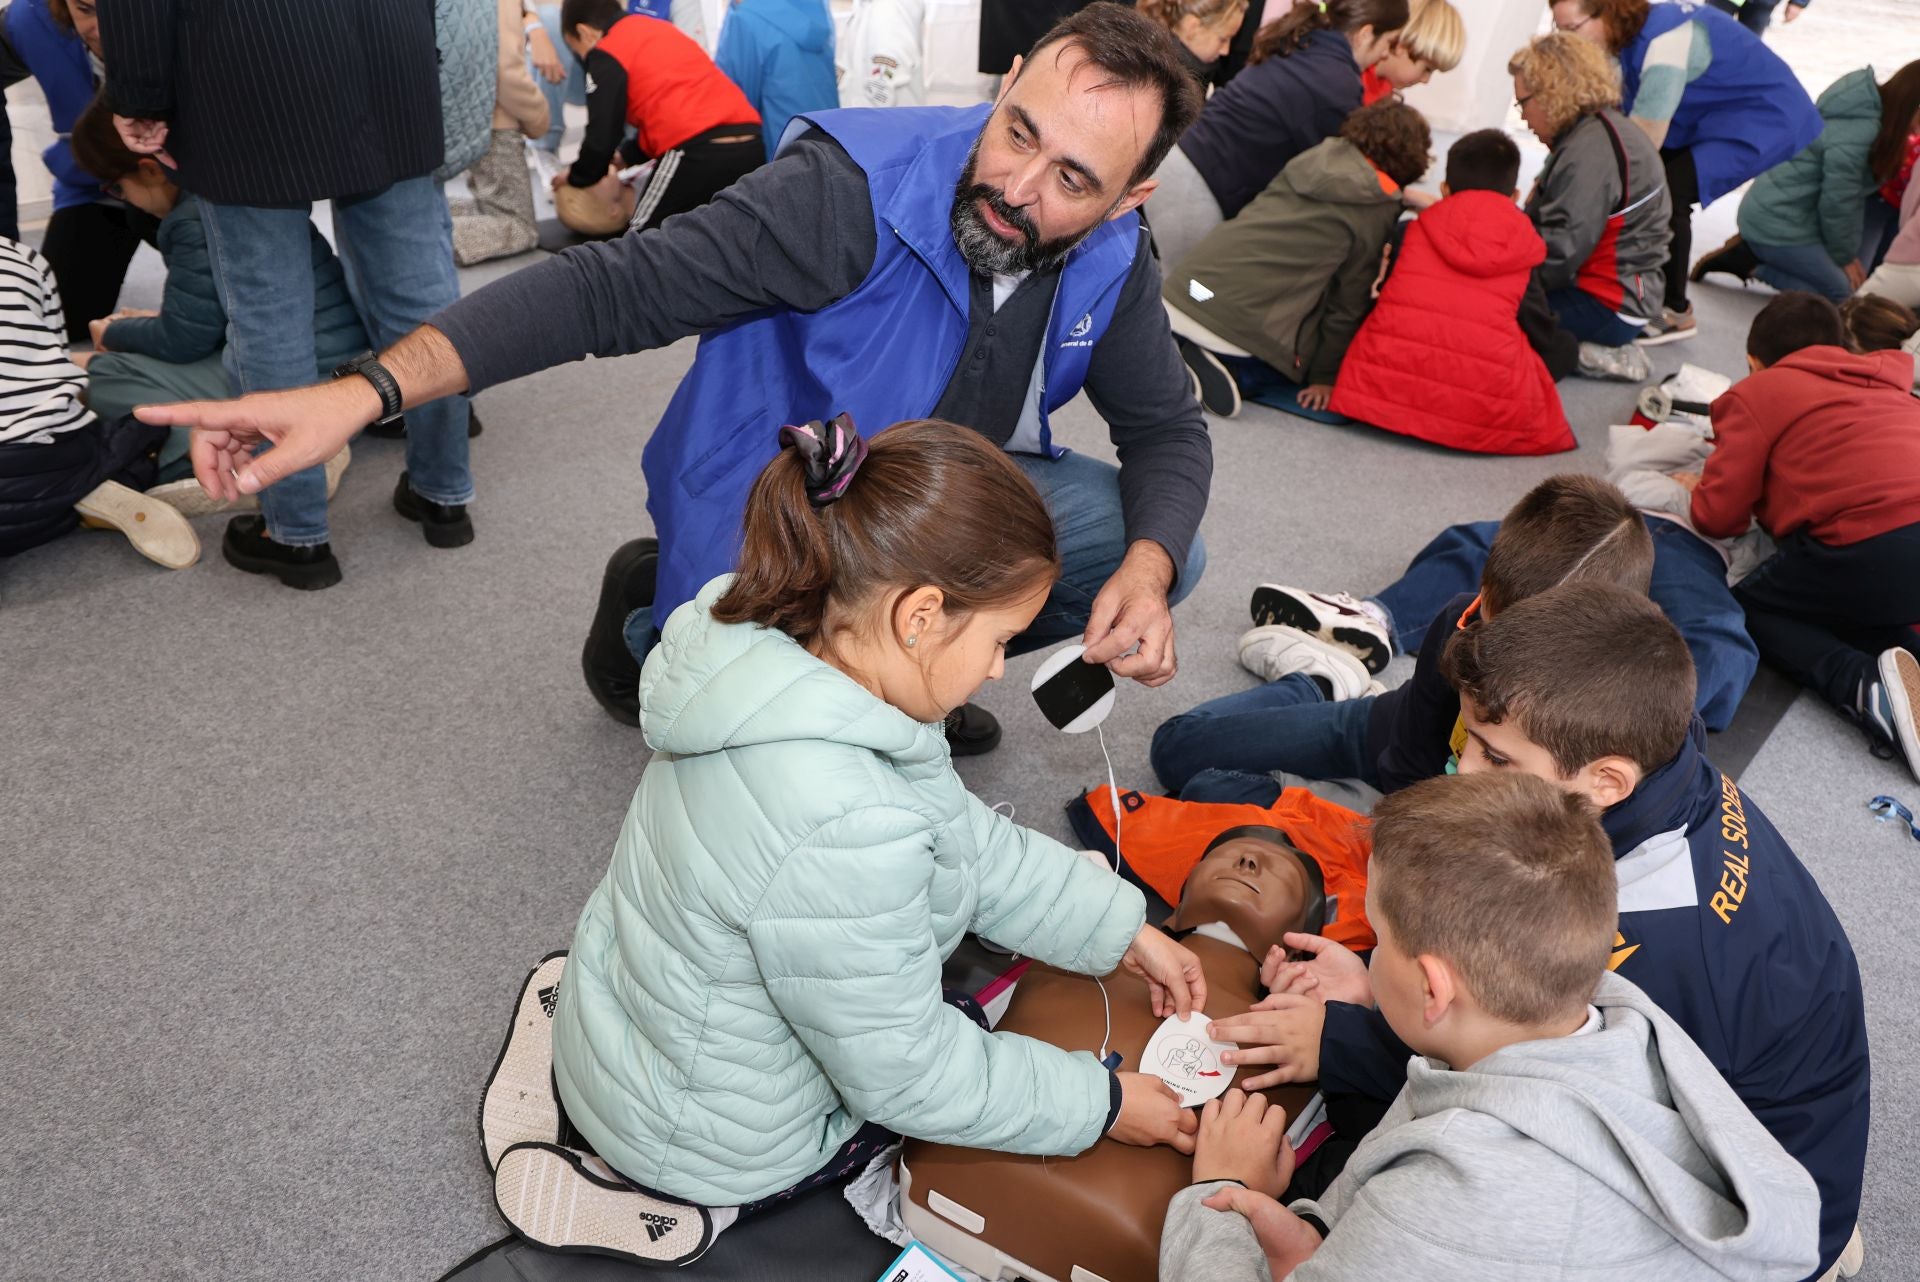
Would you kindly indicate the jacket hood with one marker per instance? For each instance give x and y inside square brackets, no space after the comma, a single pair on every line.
[709,685]
[1873,370]
[1483,233]
[1637,1106]
[1854,96]
[1337,172]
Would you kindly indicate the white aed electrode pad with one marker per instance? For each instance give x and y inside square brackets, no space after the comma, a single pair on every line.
[1182,1055]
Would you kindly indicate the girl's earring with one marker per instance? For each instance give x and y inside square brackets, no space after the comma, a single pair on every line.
[912,641]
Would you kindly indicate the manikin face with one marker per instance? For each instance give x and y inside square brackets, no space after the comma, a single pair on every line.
[1055,160]
[1257,889]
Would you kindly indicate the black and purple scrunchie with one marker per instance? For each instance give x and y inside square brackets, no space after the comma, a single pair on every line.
[832,452]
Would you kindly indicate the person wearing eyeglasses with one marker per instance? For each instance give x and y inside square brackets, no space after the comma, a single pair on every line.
[1720,106]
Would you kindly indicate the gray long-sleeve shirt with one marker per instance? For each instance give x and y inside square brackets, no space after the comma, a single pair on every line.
[799,233]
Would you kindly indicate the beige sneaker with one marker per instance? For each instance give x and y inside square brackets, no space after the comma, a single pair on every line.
[518,1106]
[156,531]
[566,1200]
[188,499]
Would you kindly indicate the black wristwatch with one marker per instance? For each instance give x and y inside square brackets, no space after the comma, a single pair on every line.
[367,366]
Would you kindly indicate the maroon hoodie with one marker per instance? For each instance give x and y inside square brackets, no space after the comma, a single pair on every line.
[1823,441]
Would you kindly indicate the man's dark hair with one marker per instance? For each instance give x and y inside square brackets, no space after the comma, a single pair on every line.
[97,147]
[1585,670]
[598,14]
[1792,321]
[1134,51]
[1393,136]
[1569,527]
[1484,160]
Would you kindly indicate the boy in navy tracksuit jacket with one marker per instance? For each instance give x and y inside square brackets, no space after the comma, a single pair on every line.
[1719,922]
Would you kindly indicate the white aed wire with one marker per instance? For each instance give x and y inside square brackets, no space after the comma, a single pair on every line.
[1113,796]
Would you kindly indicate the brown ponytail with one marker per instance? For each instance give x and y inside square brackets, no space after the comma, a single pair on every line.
[932,504]
[1288,33]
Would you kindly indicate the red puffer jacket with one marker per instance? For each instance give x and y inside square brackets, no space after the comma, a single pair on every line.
[1442,357]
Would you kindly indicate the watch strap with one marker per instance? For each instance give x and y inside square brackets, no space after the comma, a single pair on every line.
[369,368]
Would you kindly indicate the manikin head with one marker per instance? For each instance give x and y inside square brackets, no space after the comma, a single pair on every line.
[1079,129]
[1254,881]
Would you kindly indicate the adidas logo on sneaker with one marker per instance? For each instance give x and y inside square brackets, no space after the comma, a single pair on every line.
[658,1226]
[549,998]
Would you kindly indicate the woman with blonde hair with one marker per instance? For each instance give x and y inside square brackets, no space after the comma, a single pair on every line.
[1204,28]
[1600,204]
[1434,39]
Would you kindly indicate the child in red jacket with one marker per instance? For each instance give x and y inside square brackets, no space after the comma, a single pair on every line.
[1442,357]
[1822,447]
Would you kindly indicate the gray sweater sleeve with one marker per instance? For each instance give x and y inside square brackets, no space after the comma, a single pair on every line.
[1199,1244]
[1138,383]
[797,233]
[1577,195]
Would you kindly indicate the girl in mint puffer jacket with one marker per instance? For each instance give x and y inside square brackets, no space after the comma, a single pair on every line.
[753,1003]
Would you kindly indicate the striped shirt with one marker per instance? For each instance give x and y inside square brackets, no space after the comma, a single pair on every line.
[39,387]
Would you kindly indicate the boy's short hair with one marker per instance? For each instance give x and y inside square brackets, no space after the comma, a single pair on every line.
[1393,136]
[598,14]
[1569,527]
[1435,34]
[1484,160]
[1586,670]
[1876,324]
[1506,877]
[1792,321]
[97,147]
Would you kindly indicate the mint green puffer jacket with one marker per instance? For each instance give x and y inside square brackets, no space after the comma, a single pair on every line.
[1819,196]
[759,971]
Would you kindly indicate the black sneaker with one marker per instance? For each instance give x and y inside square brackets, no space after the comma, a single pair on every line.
[1219,394]
[569,1201]
[612,673]
[971,731]
[446,525]
[518,1105]
[247,547]
[1733,258]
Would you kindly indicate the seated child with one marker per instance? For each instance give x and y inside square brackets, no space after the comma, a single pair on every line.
[646,73]
[175,354]
[1589,687]
[1822,447]
[1442,357]
[753,1001]
[59,461]
[1434,39]
[1554,1122]
[1898,275]
[1290,278]
[1320,716]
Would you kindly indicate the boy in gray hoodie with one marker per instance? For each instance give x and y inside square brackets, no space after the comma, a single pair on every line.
[1556,1124]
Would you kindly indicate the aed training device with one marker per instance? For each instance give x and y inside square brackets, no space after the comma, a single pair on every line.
[1076,696]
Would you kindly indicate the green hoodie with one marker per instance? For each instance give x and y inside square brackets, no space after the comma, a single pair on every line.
[1819,197]
[1291,278]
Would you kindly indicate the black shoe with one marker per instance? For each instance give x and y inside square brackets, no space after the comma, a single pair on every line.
[247,547]
[447,525]
[971,731]
[613,674]
[396,430]
[1219,394]
[1733,258]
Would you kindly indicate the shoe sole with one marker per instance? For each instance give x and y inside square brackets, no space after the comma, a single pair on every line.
[1900,675]
[609,625]
[157,531]
[189,500]
[1670,336]
[304,578]
[1270,605]
[1219,394]
[517,1105]
[440,535]
[550,1199]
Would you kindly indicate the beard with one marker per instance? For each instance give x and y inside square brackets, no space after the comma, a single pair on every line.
[984,250]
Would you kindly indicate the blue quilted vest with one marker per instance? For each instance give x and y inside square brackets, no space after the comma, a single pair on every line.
[1744,115]
[883,353]
[58,61]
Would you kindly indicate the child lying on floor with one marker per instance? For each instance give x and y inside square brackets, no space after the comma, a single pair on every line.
[1553,1113]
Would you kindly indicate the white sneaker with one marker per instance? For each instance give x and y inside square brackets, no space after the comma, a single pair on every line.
[517,1105]
[1900,704]
[187,498]
[1275,650]
[1627,364]
[569,1201]
[1333,617]
[156,531]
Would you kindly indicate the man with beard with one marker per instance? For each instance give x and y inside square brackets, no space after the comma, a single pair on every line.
[981,265]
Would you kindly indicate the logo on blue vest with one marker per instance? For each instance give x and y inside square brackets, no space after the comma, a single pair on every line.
[1077,336]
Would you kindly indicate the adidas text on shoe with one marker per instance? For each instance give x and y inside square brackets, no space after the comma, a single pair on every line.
[571,1202]
[1334,617]
[518,1104]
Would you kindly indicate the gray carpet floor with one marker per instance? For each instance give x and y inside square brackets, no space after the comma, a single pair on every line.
[277,861]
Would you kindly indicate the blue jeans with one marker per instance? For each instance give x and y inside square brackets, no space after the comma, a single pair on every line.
[1083,494]
[1878,226]
[1689,584]
[1804,267]
[1286,725]
[397,248]
[571,90]
[1590,320]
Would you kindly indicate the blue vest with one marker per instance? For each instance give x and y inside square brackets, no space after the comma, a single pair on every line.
[1744,115]
[58,61]
[883,353]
